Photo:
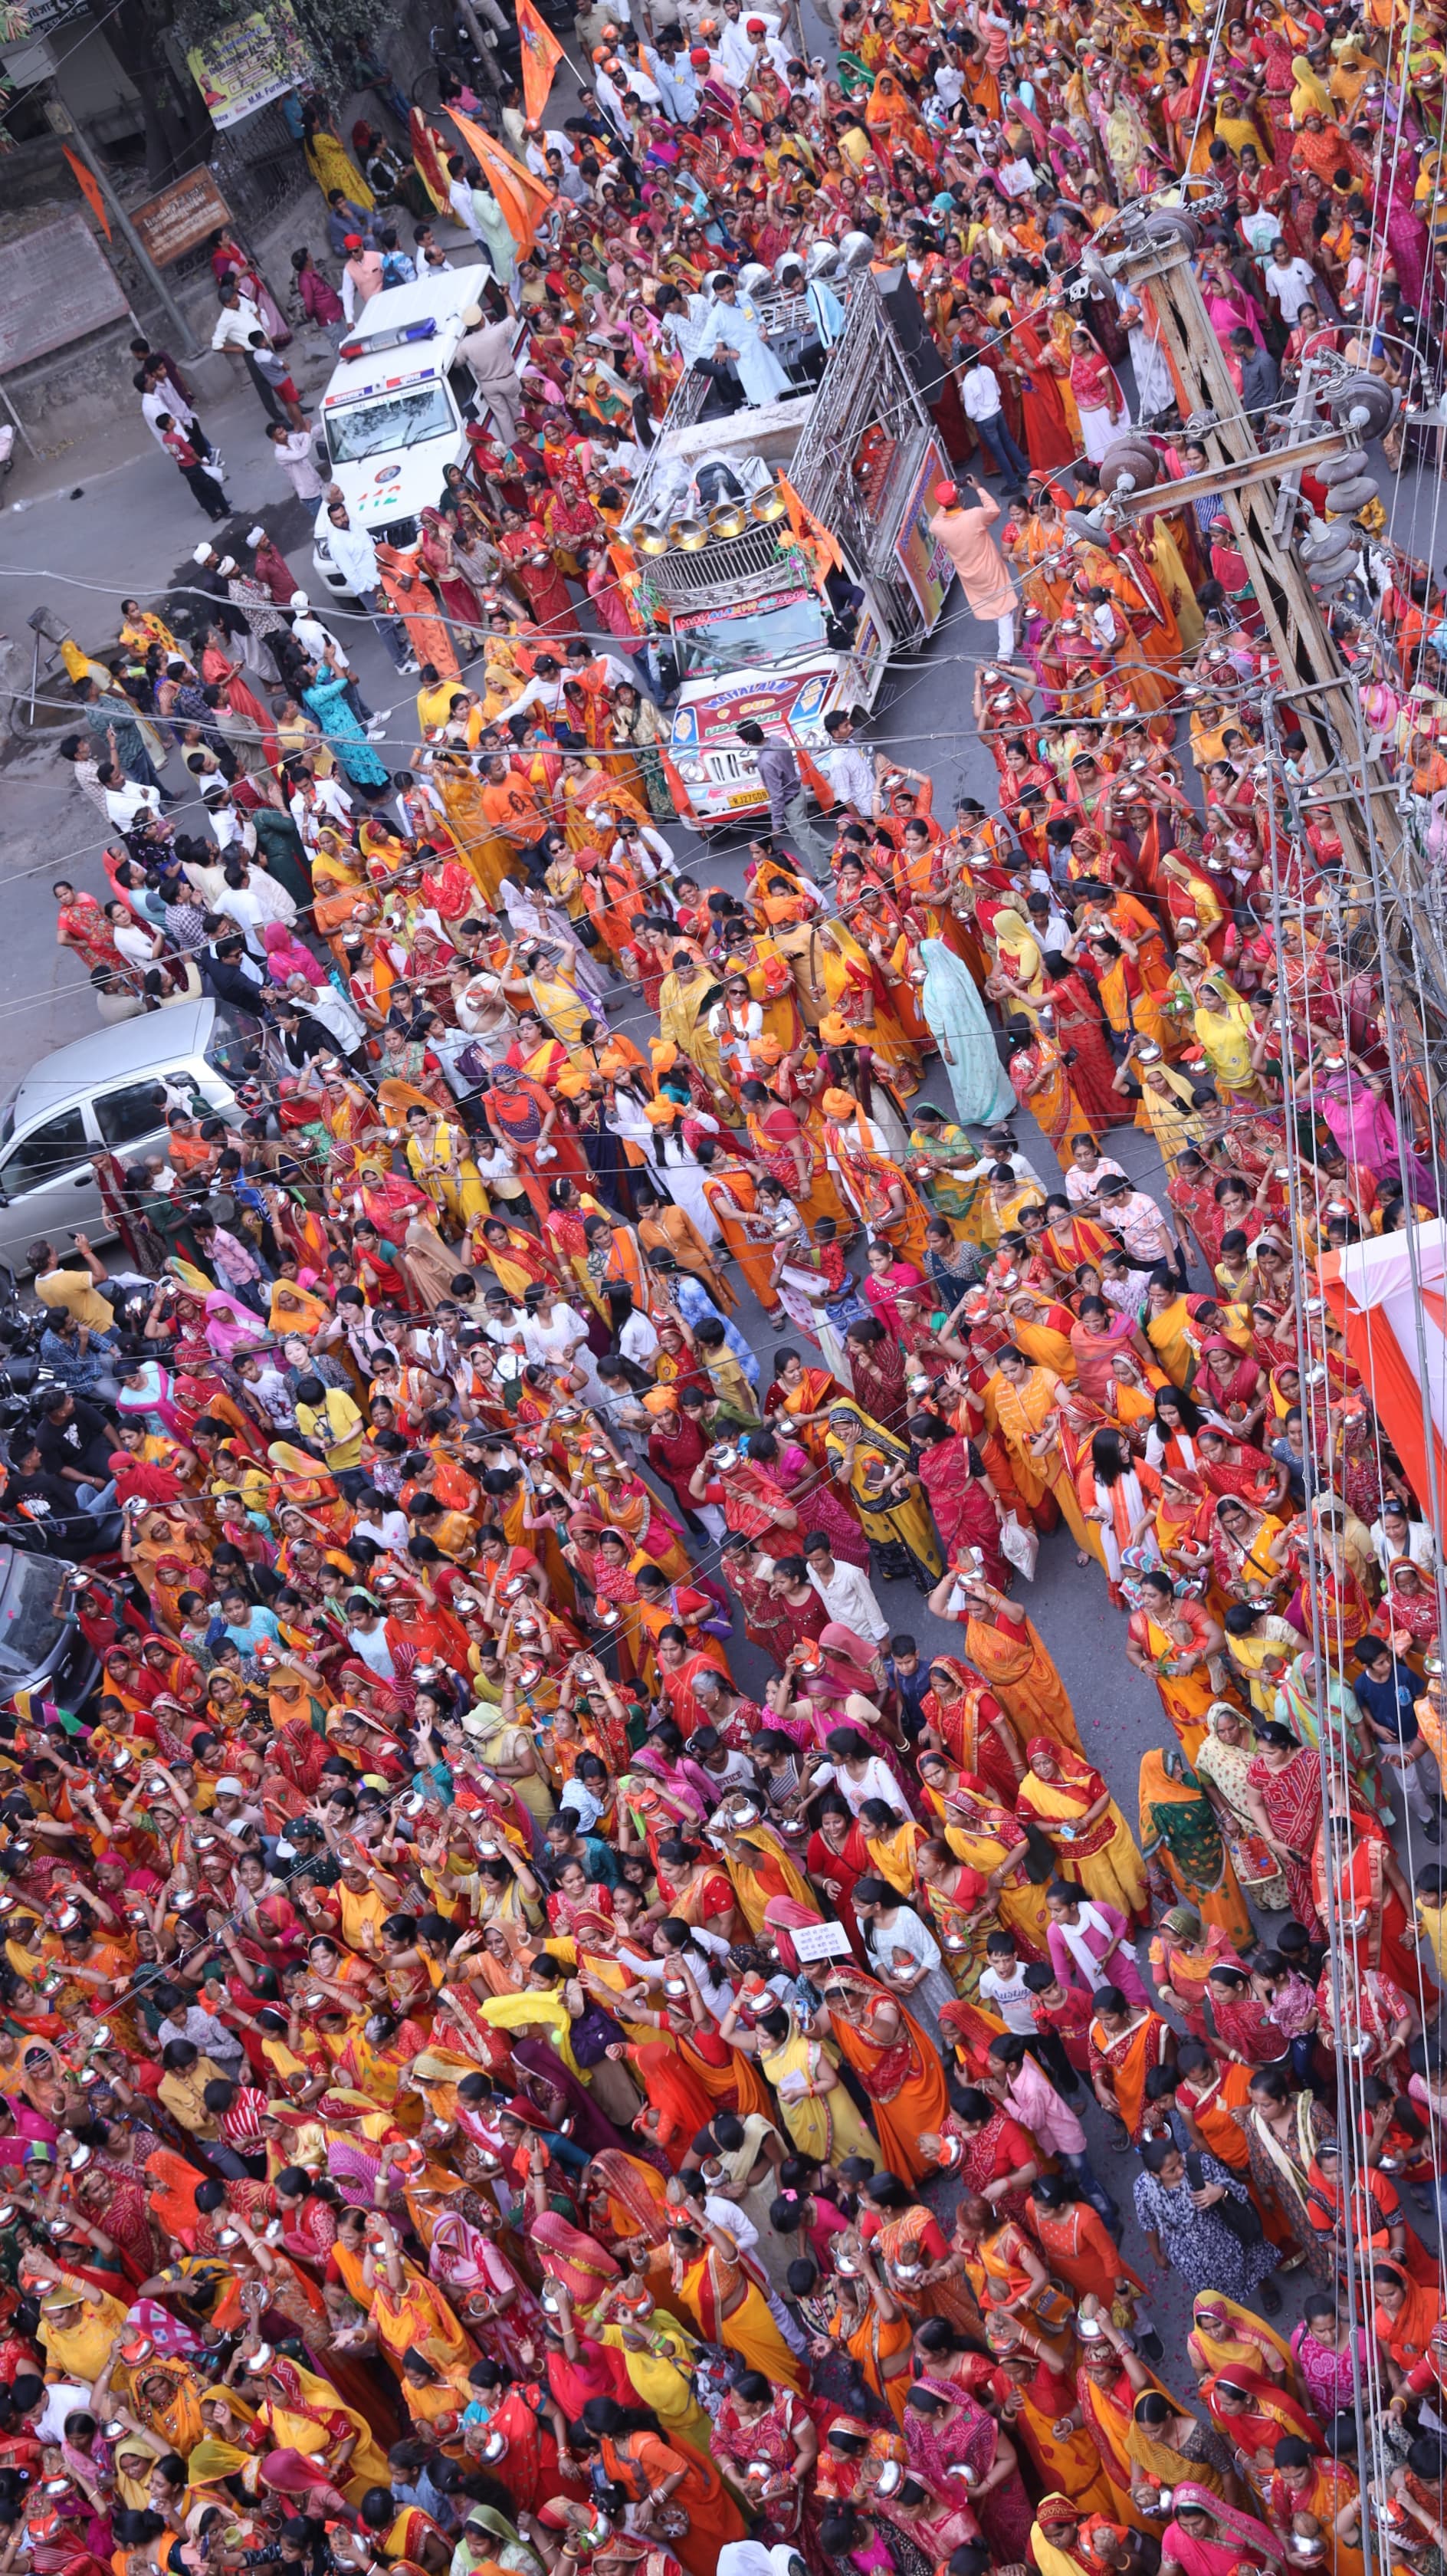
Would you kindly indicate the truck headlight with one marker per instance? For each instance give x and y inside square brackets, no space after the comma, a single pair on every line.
[693,773]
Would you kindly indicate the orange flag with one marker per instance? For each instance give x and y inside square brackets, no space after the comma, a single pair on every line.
[523,199]
[89,187]
[542,54]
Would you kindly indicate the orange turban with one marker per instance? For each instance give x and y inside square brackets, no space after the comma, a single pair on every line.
[660,1113]
[768,1050]
[838,1105]
[664,1054]
[613,1061]
[572,1082]
[659,1399]
[835,1030]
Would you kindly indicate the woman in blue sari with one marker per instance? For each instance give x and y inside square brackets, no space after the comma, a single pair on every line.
[955,1017]
[327,701]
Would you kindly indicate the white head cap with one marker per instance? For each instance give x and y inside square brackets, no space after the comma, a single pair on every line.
[202,553]
[227,564]
[256,536]
[472,317]
[299,599]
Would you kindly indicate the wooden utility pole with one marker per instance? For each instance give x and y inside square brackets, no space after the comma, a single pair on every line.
[1316,683]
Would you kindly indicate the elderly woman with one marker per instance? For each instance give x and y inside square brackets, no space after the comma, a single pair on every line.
[1180,2216]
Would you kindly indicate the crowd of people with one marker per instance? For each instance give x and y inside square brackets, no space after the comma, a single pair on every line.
[544,2026]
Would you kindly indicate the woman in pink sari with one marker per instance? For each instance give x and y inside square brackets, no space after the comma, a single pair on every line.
[884,1277]
[575,2259]
[793,1474]
[1207,2537]
[1228,305]
[1365,1130]
[286,955]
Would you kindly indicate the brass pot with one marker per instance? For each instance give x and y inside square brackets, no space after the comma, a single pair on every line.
[651,538]
[726,519]
[769,505]
[689,535]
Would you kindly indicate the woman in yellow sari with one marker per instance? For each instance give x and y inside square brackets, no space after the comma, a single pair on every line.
[302,2412]
[487,857]
[331,165]
[987,1838]
[295,1310]
[1162,2444]
[876,1471]
[817,2112]
[850,984]
[407,2310]
[1167,1104]
[339,883]
[1017,978]
[1066,1797]
[1225,1028]
[165,2399]
[1224,2334]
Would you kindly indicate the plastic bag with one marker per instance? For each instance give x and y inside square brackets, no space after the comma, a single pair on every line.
[1022,1546]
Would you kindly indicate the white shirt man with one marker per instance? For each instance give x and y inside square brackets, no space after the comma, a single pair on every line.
[637,75]
[980,388]
[460,198]
[638,1341]
[252,905]
[315,639]
[323,1002]
[164,397]
[1290,284]
[847,1595]
[125,802]
[850,772]
[353,553]
[235,324]
[739,39]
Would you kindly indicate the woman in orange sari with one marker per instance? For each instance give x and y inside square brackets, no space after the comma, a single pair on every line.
[1126,2044]
[648,2468]
[1004,1646]
[897,2065]
[679,2105]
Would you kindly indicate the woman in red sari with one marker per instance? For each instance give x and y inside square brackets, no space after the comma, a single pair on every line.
[1048,441]
[1286,1777]
[971,1728]
[961,1497]
[1079,1026]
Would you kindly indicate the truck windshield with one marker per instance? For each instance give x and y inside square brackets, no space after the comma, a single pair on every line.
[399,420]
[738,641]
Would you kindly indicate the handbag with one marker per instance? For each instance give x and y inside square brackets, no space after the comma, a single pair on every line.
[1239,2215]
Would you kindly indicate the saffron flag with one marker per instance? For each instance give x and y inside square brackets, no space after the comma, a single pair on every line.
[89,186]
[524,200]
[542,54]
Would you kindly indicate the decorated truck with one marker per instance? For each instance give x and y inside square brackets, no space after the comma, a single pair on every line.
[787,548]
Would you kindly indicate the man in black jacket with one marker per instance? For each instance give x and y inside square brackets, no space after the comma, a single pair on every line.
[230,974]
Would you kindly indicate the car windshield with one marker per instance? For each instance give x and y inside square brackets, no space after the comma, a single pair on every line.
[399,420]
[765,637]
[29,1624]
[226,1053]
